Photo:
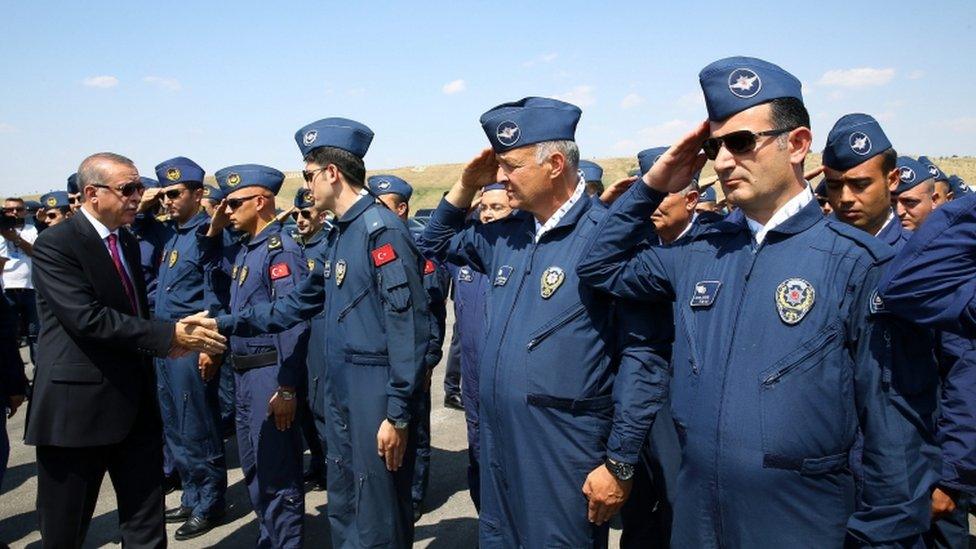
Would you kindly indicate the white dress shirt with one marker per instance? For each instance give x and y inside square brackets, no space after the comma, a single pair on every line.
[786,211]
[103,233]
[543,228]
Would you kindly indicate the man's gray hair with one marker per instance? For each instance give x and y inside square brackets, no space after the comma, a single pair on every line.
[692,186]
[91,170]
[566,148]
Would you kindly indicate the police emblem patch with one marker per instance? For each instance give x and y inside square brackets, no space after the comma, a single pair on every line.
[233,179]
[464,274]
[508,133]
[860,143]
[206,192]
[233,272]
[310,137]
[173,257]
[340,271]
[173,174]
[243,277]
[552,279]
[794,299]
[705,293]
[501,277]
[744,83]
[311,264]
[906,174]
[877,305]
[52,202]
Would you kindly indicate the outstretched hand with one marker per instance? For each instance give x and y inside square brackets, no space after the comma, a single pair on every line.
[199,333]
[679,164]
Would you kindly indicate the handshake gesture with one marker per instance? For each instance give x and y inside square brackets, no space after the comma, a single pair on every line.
[197,333]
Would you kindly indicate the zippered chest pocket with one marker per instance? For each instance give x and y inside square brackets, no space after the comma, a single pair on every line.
[557,355]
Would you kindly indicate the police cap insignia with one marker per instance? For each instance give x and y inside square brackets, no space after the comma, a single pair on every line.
[173,174]
[52,202]
[794,299]
[233,180]
[508,133]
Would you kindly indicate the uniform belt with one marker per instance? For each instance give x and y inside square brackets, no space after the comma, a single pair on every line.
[243,363]
[580,405]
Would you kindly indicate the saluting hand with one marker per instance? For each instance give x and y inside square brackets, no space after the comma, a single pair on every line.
[606,494]
[678,165]
[149,199]
[613,192]
[220,219]
[480,171]
[391,444]
[280,218]
[813,173]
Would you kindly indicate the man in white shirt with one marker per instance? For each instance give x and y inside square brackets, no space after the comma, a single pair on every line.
[18,245]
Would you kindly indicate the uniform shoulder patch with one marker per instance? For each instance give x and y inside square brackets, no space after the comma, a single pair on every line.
[279,270]
[374,219]
[429,267]
[383,255]
[274,242]
[878,250]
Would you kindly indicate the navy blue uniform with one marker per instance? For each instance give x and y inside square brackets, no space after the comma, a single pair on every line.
[266,266]
[189,406]
[778,360]
[378,332]
[313,424]
[569,376]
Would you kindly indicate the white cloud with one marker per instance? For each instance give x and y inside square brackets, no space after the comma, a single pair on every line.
[169,84]
[101,82]
[856,78]
[630,101]
[581,96]
[454,86]
[544,58]
[916,74]
[693,99]
[7,128]
[660,135]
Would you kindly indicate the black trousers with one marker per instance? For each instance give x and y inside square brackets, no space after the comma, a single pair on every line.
[69,479]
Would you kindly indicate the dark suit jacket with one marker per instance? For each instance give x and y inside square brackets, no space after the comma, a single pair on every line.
[94,372]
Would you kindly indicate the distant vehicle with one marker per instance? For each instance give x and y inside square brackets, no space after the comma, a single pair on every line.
[424,212]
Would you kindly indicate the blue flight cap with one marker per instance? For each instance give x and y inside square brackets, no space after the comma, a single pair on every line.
[708,194]
[148,182]
[73,184]
[494,187]
[911,173]
[212,193]
[389,184]
[179,170]
[854,139]
[734,84]
[341,133]
[591,171]
[529,121]
[821,188]
[303,199]
[55,199]
[958,186]
[33,205]
[241,176]
[934,170]
[647,157]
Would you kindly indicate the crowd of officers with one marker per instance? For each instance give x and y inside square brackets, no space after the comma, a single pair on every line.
[722,374]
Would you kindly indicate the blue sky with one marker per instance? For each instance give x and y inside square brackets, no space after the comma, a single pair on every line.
[227,83]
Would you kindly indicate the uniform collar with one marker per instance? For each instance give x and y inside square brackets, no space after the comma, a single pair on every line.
[191,224]
[315,238]
[272,228]
[779,221]
[892,231]
[357,209]
[567,214]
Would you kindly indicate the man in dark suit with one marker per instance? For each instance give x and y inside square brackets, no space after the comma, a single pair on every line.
[94,406]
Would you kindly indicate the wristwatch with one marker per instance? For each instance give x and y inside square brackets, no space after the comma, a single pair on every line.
[286,394]
[398,424]
[622,471]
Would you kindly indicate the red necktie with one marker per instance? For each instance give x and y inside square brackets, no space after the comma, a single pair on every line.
[130,291]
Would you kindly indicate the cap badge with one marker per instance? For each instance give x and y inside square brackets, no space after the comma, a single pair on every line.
[233,179]
[744,83]
[508,133]
[173,174]
[860,143]
[906,174]
[310,137]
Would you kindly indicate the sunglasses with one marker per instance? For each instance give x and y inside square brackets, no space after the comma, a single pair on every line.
[17,209]
[234,203]
[309,175]
[126,190]
[171,194]
[72,199]
[740,142]
[51,215]
[304,214]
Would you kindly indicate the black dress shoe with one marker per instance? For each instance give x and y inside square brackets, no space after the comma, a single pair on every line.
[196,526]
[178,514]
[453,401]
[172,483]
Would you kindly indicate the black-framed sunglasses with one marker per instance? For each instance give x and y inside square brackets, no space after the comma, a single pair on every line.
[234,203]
[309,175]
[305,214]
[126,189]
[171,194]
[740,142]
[52,215]
[73,200]
[17,209]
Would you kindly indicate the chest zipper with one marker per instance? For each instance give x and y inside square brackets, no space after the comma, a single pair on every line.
[353,303]
[552,329]
[774,377]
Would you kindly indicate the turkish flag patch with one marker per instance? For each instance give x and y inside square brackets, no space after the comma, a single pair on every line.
[279,270]
[429,267]
[383,255]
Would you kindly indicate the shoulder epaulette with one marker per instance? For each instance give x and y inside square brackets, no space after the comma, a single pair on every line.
[878,250]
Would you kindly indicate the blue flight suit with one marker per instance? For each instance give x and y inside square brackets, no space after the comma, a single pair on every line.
[569,375]
[219,279]
[269,265]
[316,253]
[932,281]
[437,284]
[778,360]
[376,347]
[470,311]
[189,406]
[956,427]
